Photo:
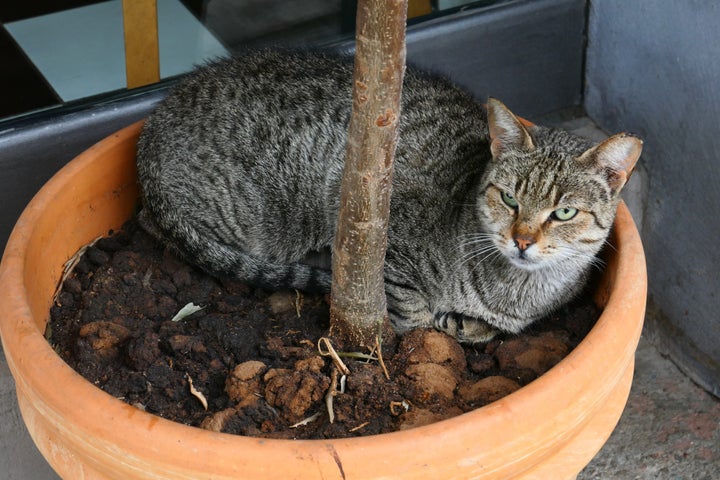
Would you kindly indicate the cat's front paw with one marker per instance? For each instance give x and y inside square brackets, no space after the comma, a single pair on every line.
[465,329]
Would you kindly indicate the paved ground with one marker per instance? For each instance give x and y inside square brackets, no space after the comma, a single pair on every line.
[19,458]
[670,429]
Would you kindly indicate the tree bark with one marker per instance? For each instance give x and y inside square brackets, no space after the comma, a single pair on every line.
[358,312]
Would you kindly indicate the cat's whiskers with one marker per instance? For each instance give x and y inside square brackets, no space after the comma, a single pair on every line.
[474,254]
[579,258]
[487,254]
[608,244]
[485,249]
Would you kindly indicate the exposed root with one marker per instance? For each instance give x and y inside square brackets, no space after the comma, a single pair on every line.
[394,406]
[359,427]
[330,395]
[378,347]
[333,354]
[196,393]
[299,300]
[304,422]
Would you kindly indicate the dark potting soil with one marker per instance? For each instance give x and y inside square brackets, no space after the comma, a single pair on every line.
[252,356]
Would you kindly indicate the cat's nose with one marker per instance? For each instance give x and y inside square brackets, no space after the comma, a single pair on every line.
[523,242]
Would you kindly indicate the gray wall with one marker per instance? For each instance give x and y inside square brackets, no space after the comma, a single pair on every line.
[33,149]
[654,68]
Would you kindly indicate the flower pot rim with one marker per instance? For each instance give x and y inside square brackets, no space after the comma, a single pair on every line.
[81,402]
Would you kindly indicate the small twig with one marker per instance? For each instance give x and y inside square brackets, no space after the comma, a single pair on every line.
[404,404]
[378,346]
[299,300]
[333,354]
[362,425]
[146,278]
[70,265]
[357,355]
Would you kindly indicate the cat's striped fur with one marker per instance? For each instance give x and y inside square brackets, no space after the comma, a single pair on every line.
[240,171]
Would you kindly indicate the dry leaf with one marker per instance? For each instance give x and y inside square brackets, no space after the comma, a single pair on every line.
[186,311]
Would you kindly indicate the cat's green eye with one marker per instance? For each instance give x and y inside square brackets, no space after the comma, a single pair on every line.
[509,200]
[564,214]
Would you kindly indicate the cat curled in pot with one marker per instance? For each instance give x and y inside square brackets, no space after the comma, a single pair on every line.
[493,224]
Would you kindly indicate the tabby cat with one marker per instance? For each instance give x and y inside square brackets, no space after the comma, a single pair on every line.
[493,224]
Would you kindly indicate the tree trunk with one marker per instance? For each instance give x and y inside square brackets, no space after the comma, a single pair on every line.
[358,313]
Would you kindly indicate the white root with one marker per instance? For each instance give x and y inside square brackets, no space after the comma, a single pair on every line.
[302,423]
[197,393]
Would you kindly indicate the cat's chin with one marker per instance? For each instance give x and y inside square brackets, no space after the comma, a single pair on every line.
[527,264]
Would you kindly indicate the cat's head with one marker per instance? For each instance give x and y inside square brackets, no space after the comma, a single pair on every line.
[550,197]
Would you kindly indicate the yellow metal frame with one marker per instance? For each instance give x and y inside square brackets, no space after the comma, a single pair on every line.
[142,53]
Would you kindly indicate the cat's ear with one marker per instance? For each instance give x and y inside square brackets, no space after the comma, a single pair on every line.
[506,131]
[617,156]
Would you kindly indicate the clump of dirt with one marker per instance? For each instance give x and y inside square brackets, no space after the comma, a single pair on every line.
[248,362]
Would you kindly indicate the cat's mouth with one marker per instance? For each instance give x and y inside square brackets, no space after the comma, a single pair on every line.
[525,262]
[528,258]
[525,259]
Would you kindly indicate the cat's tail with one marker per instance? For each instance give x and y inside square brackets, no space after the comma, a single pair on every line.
[223,261]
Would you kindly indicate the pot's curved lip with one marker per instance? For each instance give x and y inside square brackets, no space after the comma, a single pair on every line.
[516,421]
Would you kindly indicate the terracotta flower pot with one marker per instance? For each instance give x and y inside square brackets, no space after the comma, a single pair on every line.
[550,428]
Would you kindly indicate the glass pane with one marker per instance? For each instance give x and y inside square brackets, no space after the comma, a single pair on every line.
[56,52]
